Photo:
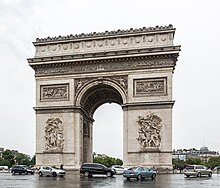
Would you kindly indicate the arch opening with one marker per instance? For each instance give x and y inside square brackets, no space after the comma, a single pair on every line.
[98,95]
[92,98]
[108,129]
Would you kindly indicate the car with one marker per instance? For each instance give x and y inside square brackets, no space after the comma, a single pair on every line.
[51,171]
[139,173]
[118,169]
[21,169]
[216,169]
[88,169]
[3,168]
[197,171]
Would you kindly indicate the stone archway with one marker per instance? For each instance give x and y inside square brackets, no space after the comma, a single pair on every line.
[89,98]
[76,74]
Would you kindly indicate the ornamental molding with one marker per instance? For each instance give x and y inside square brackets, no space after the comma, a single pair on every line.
[121,80]
[54,137]
[149,131]
[55,92]
[107,41]
[101,66]
[106,33]
[148,105]
[151,52]
[63,109]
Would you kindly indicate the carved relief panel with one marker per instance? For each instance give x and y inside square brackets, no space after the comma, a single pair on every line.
[150,87]
[54,92]
[54,137]
[149,132]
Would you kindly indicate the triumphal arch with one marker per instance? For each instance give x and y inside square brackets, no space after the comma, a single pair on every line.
[76,74]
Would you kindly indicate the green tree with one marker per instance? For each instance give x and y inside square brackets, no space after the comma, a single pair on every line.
[106,160]
[177,163]
[214,161]
[21,158]
[4,162]
[194,161]
[8,155]
[10,158]
[33,160]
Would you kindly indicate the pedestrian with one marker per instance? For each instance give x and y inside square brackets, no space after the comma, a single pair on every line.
[61,166]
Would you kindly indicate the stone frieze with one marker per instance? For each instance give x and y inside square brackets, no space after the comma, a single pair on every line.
[149,87]
[100,66]
[54,92]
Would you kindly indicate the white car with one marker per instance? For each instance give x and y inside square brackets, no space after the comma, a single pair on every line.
[197,171]
[50,171]
[118,169]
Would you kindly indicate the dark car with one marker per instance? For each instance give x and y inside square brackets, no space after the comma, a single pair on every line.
[21,169]
[88,169]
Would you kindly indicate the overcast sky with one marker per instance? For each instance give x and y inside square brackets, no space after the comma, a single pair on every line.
[196,88]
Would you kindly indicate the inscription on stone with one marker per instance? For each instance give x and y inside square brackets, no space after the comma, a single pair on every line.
[155,86]
[54,92]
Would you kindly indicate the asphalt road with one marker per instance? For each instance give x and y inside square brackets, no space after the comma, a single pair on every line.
[74,180]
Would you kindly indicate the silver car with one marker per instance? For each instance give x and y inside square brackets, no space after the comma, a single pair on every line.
[118,169]
[197,171]
[50,171]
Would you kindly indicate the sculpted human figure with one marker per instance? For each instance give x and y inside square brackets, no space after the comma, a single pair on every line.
[54,134]
[149,131]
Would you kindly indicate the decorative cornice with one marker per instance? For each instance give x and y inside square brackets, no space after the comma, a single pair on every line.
[132,49]
[151,52]
[148,105]
[62,109]
[104,34]
[70,107]
[108,42]
[123,64]
[54,152]
[148,151]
